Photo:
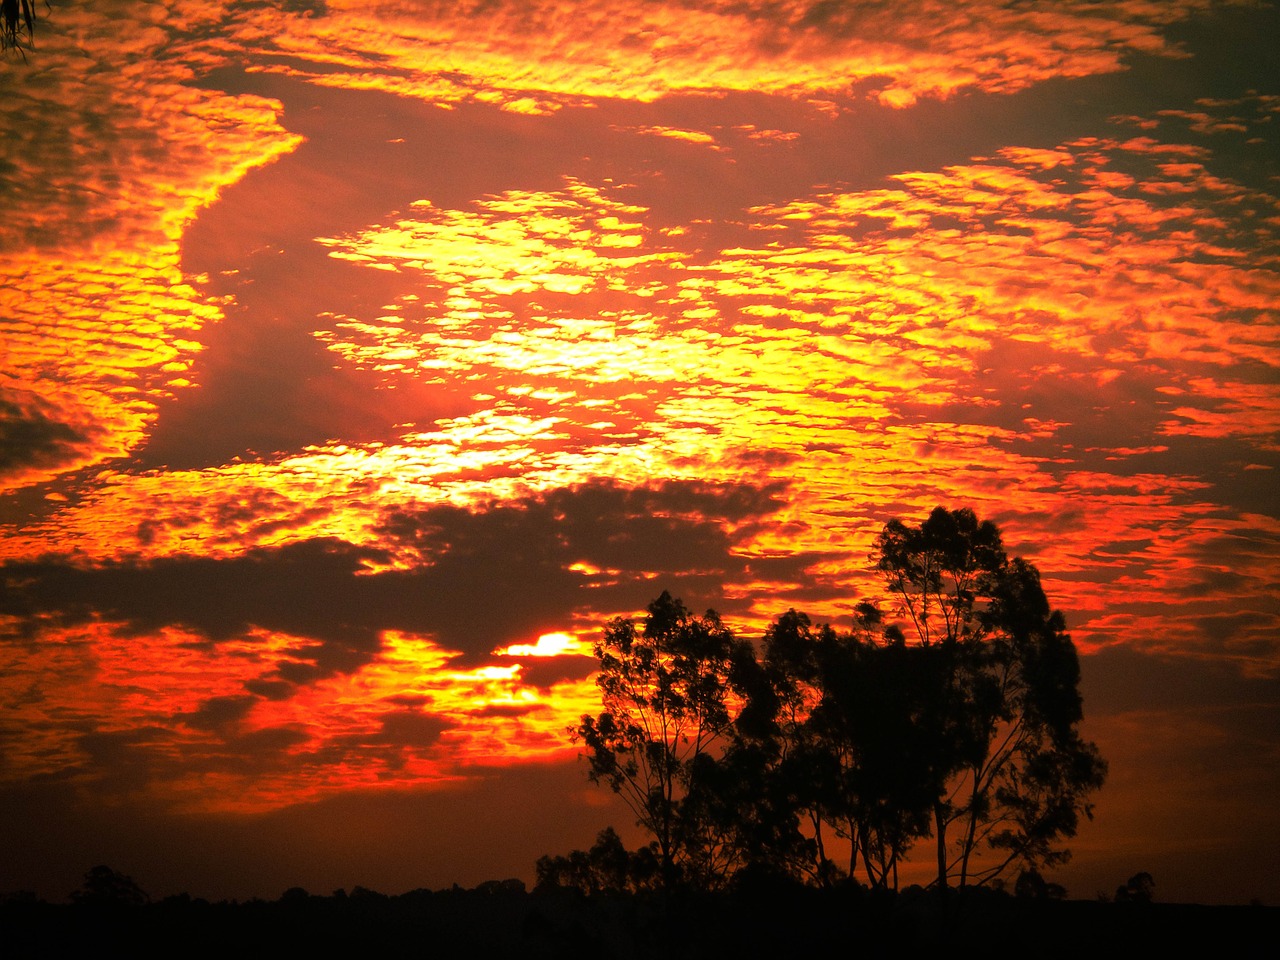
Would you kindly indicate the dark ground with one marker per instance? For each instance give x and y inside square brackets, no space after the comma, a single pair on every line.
[502,920]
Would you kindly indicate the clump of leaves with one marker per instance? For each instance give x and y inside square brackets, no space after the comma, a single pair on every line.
[16,17]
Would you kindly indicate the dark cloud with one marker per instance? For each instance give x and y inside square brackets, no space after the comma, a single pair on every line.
[219,712]
[1120,679]
[270,689]
[506,570]
[545,672]
[1244,633]
[306,589]
[399,736]
[30,437]
[255,751]
[307,8]
[123,762]
[410,728]
[507,710]
[488,577]
[119,763]
[581,520]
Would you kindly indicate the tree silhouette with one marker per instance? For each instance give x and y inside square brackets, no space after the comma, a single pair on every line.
[876,708]
[105,887]
[1140,888]
[954,717]
[665,691]
[608,867]
[1015,771]
[1031,886]
[840,717]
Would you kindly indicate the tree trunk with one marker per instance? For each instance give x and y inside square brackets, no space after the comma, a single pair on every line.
[973,826]
[940,821]
[824,875]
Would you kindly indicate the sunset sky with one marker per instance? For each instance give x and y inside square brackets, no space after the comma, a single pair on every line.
[359,361]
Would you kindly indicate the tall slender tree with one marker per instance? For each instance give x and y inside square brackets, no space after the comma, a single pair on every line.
[1015,772]
[667,689]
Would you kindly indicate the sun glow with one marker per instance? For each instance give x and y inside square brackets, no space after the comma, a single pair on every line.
[548,645]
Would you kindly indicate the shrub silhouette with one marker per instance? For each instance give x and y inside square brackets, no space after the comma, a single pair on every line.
[105,887]
[1140,888]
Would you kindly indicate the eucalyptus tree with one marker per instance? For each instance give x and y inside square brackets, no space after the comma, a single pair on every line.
[955,718]
[952,717]
[877,709]
[776,772]
[667,690]
[1013,772]
[852,744]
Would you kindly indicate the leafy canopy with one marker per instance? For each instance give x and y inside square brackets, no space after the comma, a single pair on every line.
[952,718]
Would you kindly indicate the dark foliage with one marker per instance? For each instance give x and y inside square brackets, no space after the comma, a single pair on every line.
[105,887]
[1140,888]
[952,719]
[17,17]
[666,687]
[608,867]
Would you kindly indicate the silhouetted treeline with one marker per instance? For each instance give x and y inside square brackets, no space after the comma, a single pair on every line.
[947,724]
[500,919]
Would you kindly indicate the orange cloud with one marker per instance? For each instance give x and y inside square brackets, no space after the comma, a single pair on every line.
[1076,340]
[449,52]
[96,315]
